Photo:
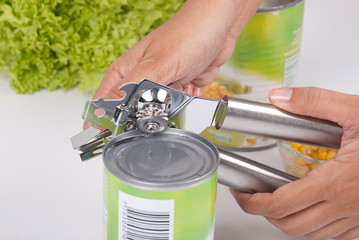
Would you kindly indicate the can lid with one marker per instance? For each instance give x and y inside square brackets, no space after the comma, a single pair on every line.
[275,5]
[172,160]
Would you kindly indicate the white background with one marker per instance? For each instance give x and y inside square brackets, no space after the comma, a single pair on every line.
[46,192]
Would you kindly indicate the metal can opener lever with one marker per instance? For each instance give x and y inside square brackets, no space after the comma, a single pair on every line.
[151,108]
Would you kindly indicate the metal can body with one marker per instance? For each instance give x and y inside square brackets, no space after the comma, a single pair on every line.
[269,45]
[265,57]
[160,193]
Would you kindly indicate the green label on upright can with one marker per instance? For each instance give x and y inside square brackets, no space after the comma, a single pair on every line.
[174,215]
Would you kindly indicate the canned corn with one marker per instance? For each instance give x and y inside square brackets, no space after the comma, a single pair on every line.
[160,187]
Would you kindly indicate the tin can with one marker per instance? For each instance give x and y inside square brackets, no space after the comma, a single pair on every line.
[160,187]
[265,57]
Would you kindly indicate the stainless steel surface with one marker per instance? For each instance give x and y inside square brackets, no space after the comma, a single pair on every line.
[147,106]
[151,124]
[111,111]
[265,120]
[90,143]
[156,96]
[249,176]
[137,98]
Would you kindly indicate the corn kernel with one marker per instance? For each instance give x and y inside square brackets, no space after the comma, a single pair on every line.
[322,156]
[331,154]
[304,166]
[251,140]
[319,153]
[296,149]
[215,91]
[300,161]
[322,149]
[296,145]
[306,149]
[314,155]
[314,148]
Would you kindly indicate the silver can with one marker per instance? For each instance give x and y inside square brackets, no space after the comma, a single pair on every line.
[160,186]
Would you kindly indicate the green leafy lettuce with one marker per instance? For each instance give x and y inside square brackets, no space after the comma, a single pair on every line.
[62,43]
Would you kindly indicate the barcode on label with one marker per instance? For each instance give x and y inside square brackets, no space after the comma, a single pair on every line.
[144,219]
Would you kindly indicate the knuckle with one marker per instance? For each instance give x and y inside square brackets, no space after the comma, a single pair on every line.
[292,231]
[245,208]
[277,212]
[334,191]
[276,208]
[351,128]
[314,97]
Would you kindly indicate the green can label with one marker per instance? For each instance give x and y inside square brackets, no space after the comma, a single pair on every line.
[133,213]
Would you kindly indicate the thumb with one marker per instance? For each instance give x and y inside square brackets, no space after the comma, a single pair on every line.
[316,102]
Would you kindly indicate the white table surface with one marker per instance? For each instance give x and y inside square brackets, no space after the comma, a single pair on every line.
[46,192]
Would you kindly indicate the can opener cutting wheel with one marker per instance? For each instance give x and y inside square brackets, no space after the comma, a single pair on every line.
[152,108]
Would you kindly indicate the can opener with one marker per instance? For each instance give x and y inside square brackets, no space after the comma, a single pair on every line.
[152,108]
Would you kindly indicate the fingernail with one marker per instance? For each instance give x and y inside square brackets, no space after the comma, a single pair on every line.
[189,89]
[196,92]
[280,94]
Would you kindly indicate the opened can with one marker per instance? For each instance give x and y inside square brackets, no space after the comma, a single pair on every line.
[160,186]
[266,56]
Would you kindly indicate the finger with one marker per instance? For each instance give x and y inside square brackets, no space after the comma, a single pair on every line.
[177,86]
[307,220]
[205,77]
[334,229]
[352,233]
[118,69]
[188,88]
[288,199]
[159,71]
[316,102]
[196,92]
[191,90]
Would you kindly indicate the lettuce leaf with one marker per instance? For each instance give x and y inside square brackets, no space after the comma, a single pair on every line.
[61,43]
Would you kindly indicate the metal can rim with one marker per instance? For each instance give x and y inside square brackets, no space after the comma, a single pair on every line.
[175,186]
[279,7]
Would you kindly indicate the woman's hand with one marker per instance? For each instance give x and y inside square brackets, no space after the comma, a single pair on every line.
[185,51]
[325,203]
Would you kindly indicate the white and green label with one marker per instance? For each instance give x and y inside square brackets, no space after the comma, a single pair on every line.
[186,214]
[144,218]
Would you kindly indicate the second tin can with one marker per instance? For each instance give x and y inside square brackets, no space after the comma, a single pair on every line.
[265,57]
[160,186]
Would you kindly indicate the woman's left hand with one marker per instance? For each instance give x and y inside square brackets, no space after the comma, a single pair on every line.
[325,203]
